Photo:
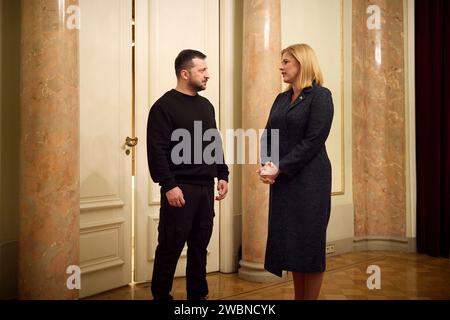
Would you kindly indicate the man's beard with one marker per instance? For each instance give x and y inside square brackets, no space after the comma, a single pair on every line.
[196,87]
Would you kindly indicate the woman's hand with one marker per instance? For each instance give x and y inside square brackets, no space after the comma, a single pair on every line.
[268,173]
[263,179]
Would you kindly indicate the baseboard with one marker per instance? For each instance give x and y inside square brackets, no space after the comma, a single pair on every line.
[372,243]
[341,246]
[8,270]
[385,243]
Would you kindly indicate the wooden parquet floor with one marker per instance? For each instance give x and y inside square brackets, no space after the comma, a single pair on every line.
[404,276]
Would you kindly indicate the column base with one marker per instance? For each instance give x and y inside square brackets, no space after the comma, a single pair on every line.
[255,272]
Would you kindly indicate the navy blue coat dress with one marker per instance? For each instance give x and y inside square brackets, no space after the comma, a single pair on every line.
[300,198]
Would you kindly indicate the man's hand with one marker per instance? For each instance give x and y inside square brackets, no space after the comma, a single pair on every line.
[175,197]
[222,187]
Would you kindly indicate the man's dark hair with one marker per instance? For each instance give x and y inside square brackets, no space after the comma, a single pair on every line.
[184,60]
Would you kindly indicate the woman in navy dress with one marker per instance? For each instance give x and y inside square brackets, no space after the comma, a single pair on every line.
[300,191]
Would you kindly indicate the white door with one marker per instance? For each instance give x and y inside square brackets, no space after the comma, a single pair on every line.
[163,29]
[105,117]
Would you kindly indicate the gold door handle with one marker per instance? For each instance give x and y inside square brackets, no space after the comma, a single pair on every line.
[131,142]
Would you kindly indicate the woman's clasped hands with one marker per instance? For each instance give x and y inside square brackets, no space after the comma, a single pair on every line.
[268,173]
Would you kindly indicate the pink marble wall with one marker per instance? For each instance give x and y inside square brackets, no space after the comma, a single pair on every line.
[261,84]
[49,148]
[378,117]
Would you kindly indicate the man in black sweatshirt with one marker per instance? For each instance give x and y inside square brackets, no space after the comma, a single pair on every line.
[184,161]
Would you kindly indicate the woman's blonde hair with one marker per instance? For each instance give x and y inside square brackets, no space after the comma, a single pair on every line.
[309,65]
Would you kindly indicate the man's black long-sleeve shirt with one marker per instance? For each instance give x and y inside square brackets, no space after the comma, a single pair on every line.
[176,110]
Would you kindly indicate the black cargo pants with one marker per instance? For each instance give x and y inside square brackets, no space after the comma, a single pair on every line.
[192,223]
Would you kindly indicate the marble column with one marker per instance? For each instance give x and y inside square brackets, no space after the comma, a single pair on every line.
[378,115]
[49,149]
[261,84]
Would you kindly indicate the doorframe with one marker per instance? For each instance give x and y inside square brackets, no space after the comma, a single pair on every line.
[142,98]
[228,75]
